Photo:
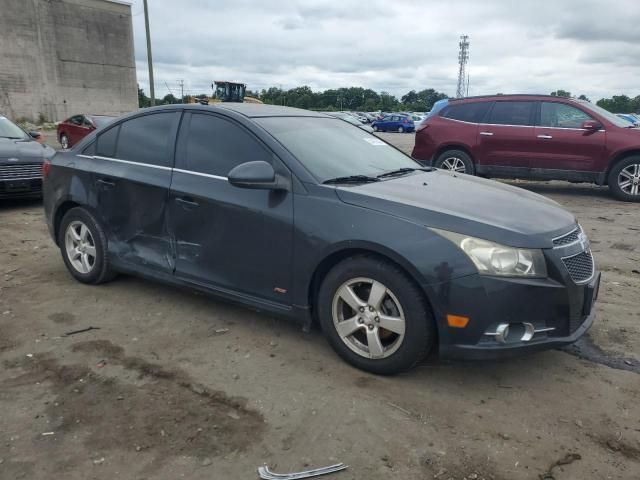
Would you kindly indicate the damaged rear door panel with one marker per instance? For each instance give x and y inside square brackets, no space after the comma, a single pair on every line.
[133,163]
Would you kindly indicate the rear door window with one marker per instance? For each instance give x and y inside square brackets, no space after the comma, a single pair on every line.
[149,139]
[561,115]
[467,112]
[213,145]
[511,113]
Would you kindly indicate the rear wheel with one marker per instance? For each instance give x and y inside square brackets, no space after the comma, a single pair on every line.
[83,245]
[624,179]
[400,130]
[374,316]
[456,161]
[64,141]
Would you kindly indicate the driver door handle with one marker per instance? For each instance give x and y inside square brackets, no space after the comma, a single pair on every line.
[486,134]
[187,202]
[545,136]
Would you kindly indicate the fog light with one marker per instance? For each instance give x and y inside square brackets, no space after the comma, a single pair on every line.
[502,332]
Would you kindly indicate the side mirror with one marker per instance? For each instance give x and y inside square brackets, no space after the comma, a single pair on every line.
[34,134]
[256,175]
[591,125]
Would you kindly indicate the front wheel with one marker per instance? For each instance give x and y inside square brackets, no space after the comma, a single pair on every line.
[374,316]
[456,161]
[375,128]
[400,130]
[624,179]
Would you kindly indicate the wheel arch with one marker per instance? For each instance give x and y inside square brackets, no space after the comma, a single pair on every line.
[62,209]
[340,254]
[454,146]
[617,158]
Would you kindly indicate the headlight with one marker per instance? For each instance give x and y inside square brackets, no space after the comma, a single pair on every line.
[494,259]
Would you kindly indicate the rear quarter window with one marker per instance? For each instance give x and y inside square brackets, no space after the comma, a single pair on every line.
[467,112]
[106,142]
[149,138]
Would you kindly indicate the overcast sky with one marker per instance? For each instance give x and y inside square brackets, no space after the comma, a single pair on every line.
[589,47]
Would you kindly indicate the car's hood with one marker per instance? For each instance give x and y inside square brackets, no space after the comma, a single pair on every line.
[466,204]
[22,151]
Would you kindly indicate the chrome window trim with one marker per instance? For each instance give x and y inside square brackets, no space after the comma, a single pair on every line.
[159,167]
[200,174]
[593,266]
[126,162]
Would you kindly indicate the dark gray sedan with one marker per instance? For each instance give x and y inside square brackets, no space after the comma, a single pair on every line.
[21,158]
[300,214]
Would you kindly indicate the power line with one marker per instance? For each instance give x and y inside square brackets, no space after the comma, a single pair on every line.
[463,58]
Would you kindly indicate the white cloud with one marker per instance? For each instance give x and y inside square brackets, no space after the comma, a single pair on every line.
[584,46]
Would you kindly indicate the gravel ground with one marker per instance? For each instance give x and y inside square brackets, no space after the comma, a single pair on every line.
[178,385]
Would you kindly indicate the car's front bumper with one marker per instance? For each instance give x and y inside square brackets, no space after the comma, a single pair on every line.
[559,311]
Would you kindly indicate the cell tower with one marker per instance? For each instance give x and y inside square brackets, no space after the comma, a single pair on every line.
[463,58]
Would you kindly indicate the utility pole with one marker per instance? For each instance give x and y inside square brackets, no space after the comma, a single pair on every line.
[181,83]
[463,58]
[149,57]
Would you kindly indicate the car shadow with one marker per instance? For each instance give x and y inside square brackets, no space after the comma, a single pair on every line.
[8,204]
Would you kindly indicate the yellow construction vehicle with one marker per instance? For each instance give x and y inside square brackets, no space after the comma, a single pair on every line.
[225,92]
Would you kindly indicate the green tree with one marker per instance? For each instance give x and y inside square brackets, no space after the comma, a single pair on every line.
[561,93]
[143,100]
[584,97]
[620,104]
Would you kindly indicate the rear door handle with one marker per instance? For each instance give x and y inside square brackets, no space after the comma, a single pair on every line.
[187,202]
[106,183]
[545,136]
[486,134]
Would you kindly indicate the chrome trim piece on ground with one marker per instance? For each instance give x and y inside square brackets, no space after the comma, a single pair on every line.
[267,474]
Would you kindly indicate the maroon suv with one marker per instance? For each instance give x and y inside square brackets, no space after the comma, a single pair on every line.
[535,137]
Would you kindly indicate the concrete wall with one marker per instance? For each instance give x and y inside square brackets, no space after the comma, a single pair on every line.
[63,57]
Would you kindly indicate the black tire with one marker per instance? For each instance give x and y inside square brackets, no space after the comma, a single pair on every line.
[469,168]
[614,183]
[376,128]
[420,332]
[100,271]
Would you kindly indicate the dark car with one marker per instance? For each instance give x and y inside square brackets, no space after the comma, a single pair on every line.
[74,129]
[394,122]
[299,214]
[535,137]
[21,157]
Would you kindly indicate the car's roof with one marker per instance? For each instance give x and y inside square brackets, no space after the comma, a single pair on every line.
[256,110]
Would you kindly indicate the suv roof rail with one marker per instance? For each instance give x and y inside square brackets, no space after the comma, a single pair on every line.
[509,95]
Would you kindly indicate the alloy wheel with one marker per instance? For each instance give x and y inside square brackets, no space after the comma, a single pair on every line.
[64,142]
[368,318]
[455,164]
[629,179]
[80,247]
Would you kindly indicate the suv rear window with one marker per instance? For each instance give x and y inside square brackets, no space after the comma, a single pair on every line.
[467,112]
[511,113]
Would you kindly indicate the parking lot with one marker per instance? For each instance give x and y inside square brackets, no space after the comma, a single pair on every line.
[171,384]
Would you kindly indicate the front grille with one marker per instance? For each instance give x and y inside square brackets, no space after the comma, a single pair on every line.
[580,266]
[567,238]
[22,171]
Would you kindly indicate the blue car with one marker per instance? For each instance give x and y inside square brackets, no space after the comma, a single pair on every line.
[394,122]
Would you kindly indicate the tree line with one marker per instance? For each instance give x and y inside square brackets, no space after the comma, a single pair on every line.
[368,100]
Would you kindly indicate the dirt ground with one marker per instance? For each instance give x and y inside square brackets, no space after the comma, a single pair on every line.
[173,384]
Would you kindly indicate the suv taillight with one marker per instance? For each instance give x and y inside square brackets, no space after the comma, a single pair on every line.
[46,167]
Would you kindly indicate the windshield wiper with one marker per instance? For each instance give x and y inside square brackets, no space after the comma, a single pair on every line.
[399,171]
[352,179]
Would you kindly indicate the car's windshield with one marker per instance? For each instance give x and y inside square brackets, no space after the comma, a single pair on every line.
[330,148]
[10,130]
[617,121]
